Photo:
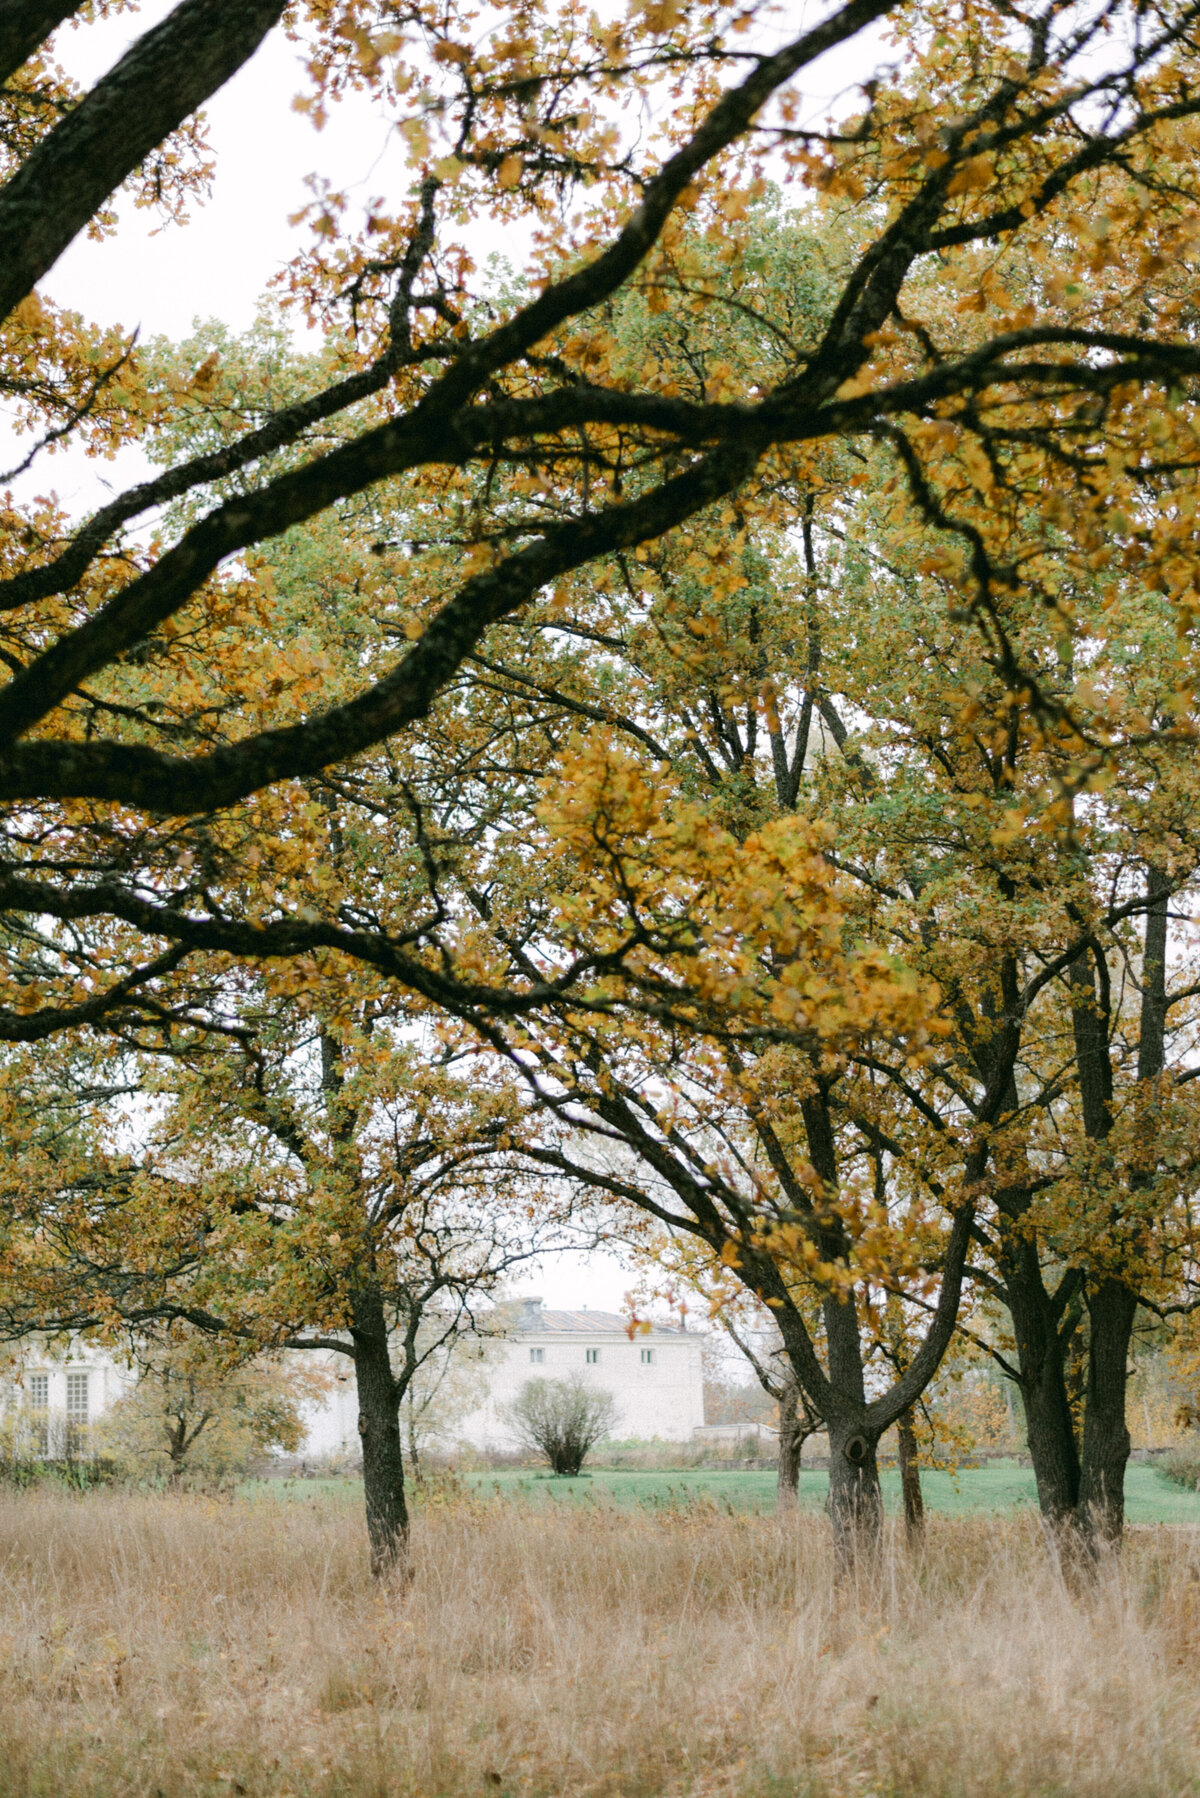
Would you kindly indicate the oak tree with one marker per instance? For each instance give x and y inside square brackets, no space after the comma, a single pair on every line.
[132,638]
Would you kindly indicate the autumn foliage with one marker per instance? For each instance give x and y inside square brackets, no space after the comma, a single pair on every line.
[690,734]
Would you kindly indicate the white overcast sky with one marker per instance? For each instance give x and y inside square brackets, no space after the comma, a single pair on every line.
[222,261]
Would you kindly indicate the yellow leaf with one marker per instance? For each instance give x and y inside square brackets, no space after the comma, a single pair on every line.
[854,387]
[976,172]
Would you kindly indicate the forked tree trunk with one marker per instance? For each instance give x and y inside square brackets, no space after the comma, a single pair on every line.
[379,1392]
[910,1480]
[379,1432]
[176,1450]
[855,1498]
[837,1393]
[1111,1304]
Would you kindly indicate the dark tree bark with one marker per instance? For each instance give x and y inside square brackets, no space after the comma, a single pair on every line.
[1112,1305]
[414,1454]
[158,83]
[797,1418]
[1044,1323]
[1111,1308]
[180,1441]
[179,784]
[1041,1360]
[378,1390]
[837,1392]
[379,1431]
[24,27]
[910,1480]
[794,1432]
[855,1498]
[787,1485]
[1081,1485]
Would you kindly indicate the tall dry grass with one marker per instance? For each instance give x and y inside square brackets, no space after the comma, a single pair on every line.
[174,1646]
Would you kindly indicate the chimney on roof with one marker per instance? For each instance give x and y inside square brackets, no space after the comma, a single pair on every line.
[531,1314]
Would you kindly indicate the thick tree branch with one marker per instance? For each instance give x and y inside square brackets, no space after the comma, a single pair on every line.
[157,84]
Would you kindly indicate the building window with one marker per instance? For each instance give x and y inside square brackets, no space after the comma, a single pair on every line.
[537,1356]
[39,1404]
[591,1355]
[77,1413]
[647,1357]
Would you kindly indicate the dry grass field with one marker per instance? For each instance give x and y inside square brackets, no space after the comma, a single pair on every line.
[182,1646]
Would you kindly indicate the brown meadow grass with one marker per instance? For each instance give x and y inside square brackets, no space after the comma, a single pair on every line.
[172,1645]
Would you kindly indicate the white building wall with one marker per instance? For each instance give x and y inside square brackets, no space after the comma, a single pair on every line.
[662,1396]
[656,1379]
[85,1372]
[333,1422]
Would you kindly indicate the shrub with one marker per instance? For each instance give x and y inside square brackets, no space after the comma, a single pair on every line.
[74,1475]
[46,1448]
[1182,1466]
[562,1419]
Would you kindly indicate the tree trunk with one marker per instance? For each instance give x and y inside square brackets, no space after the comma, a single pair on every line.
[1111,1304]
[176,1448]
[414,1457]
[1111,1307]
[855,1499]
[791,1442]
[1049,1425]
[910,1480]
[1050,1433]
[379,1430]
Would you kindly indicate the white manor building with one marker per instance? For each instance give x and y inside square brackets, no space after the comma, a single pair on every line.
[57,1395]
[655,1376]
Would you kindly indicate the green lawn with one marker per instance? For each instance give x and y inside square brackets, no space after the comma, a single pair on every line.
[997,1488]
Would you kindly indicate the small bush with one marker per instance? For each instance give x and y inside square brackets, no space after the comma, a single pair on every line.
[75,1475]
[1182,1466]
[562,1419]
